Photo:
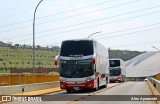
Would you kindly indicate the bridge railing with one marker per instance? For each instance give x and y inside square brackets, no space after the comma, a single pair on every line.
[155,83]
[17,78]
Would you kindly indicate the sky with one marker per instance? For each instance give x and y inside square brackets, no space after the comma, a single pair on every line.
[121,24]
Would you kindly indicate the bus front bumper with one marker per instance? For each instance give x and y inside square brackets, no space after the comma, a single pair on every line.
[75,86]
[115,79]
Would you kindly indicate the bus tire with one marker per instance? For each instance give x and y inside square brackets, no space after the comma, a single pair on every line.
[69,91]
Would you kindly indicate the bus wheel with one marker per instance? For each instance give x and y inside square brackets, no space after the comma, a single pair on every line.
[69,91]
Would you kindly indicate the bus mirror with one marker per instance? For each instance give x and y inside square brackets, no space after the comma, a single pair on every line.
[56,60]
[93,61]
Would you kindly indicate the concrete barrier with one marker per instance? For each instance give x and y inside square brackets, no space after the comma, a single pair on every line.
[154,86]
[8,90]
[155,83]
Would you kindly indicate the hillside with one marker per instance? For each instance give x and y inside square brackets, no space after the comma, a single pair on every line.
[123,54]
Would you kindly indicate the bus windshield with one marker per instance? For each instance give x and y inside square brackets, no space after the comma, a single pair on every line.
[76,69]
[116,72]
[71,48]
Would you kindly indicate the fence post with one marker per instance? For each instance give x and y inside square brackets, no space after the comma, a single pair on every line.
[19,77]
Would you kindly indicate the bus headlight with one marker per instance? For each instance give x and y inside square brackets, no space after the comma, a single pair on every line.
[88,79]
[119,78]
[63,80]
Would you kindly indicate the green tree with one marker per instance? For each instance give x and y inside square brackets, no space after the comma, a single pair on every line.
[4,64]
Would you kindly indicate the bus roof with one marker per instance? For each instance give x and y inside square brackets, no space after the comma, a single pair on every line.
[79,40]
[115,59]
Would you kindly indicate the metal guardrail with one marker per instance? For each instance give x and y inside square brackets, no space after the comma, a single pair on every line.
[155,83]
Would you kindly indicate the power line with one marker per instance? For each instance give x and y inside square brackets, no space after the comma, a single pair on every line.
[13,15]
[124,34]
[136,43]
[128,33]
[95,10]
[100,34]
[17,7]
[114,35]
[142,43]
[15,28]
[77,8]
[102,18]
[101,24]
[84,22]
[70,11]
[90,26]
[62,12]
[128,29]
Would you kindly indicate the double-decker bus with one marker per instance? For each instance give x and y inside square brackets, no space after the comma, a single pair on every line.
[83,64]
[117,70]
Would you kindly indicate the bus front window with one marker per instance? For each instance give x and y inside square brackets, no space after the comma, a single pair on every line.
[115,72]
[79,69]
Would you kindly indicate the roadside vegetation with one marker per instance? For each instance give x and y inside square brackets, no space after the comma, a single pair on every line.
[21,56]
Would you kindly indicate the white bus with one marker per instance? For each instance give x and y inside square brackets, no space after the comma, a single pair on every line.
[83,64]
[117,70]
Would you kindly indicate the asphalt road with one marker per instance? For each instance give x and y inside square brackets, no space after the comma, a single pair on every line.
[123,91]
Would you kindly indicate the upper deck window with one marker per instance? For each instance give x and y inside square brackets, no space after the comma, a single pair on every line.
[77,48]
[114,63]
